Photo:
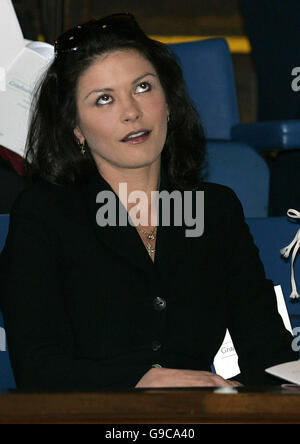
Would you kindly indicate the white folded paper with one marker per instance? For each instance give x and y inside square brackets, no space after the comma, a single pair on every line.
[289,371]
[11,36]
[281,305]
[21,65]
[226,360]
[15,100]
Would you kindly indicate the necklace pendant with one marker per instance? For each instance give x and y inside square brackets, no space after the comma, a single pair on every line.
[150,249]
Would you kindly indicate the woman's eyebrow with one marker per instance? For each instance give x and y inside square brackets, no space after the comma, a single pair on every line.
[145,75]
[95,91]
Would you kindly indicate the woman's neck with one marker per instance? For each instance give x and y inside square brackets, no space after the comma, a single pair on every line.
[146,180]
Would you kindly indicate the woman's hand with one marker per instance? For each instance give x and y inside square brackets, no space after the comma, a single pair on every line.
[165,377]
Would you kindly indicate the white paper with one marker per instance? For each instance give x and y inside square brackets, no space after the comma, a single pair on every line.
[281,305]
[11,36]
[15,101]
[289,371]
[226,360]
[44,49]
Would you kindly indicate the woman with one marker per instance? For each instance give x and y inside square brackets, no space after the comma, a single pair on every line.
[89,306]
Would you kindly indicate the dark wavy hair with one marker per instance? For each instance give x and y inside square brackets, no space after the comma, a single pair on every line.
[52,151]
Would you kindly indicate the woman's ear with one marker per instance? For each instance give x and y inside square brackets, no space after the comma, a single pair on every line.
[79,136]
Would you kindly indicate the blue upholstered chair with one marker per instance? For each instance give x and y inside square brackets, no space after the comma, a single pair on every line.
[210,79]
[209,76]
[6,376]
[4,224]
[271,235]
[242,169]
[269,136]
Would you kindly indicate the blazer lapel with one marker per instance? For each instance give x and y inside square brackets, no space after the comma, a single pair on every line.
[172,247]
[125,241]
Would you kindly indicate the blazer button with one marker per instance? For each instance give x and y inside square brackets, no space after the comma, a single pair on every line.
[156,346]
[159,304]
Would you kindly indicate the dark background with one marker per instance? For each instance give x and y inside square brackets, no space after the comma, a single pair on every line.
[45,19]
[168,17]
[173,17]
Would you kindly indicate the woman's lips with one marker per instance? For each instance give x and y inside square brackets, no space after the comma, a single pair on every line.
[137,139]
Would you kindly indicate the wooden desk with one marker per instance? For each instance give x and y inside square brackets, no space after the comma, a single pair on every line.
[167,406]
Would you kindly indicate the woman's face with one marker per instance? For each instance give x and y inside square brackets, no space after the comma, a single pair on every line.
[122,111]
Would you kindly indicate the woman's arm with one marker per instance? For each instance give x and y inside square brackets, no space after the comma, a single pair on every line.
[255,325]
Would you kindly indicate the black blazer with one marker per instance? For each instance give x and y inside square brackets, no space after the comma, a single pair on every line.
[80,302]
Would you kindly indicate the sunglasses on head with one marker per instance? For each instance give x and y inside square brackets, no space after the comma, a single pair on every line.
[74,39]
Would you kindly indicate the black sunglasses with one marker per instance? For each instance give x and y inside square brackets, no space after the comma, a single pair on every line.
[72,40]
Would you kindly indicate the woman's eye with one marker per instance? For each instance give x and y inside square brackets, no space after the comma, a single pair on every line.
[104,100]
[143,87]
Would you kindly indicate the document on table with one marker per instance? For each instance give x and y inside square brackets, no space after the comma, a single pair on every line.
[289,371]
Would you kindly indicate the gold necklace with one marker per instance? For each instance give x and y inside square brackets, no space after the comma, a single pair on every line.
[149,237]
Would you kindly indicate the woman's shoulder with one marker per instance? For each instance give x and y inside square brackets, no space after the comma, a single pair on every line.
[42,197]
[215,188]
[221,199]
[218,191]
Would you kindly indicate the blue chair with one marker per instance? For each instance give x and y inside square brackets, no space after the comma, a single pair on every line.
[4,224]
[270,236]
[209,77]
[7,380]
[269,136]
[243,170]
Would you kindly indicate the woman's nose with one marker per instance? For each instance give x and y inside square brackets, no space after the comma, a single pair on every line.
[131,110]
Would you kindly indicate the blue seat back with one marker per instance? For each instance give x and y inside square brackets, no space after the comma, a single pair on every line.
[209,76]
[4,224]
[7,380]
[241,168]
[270,236]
